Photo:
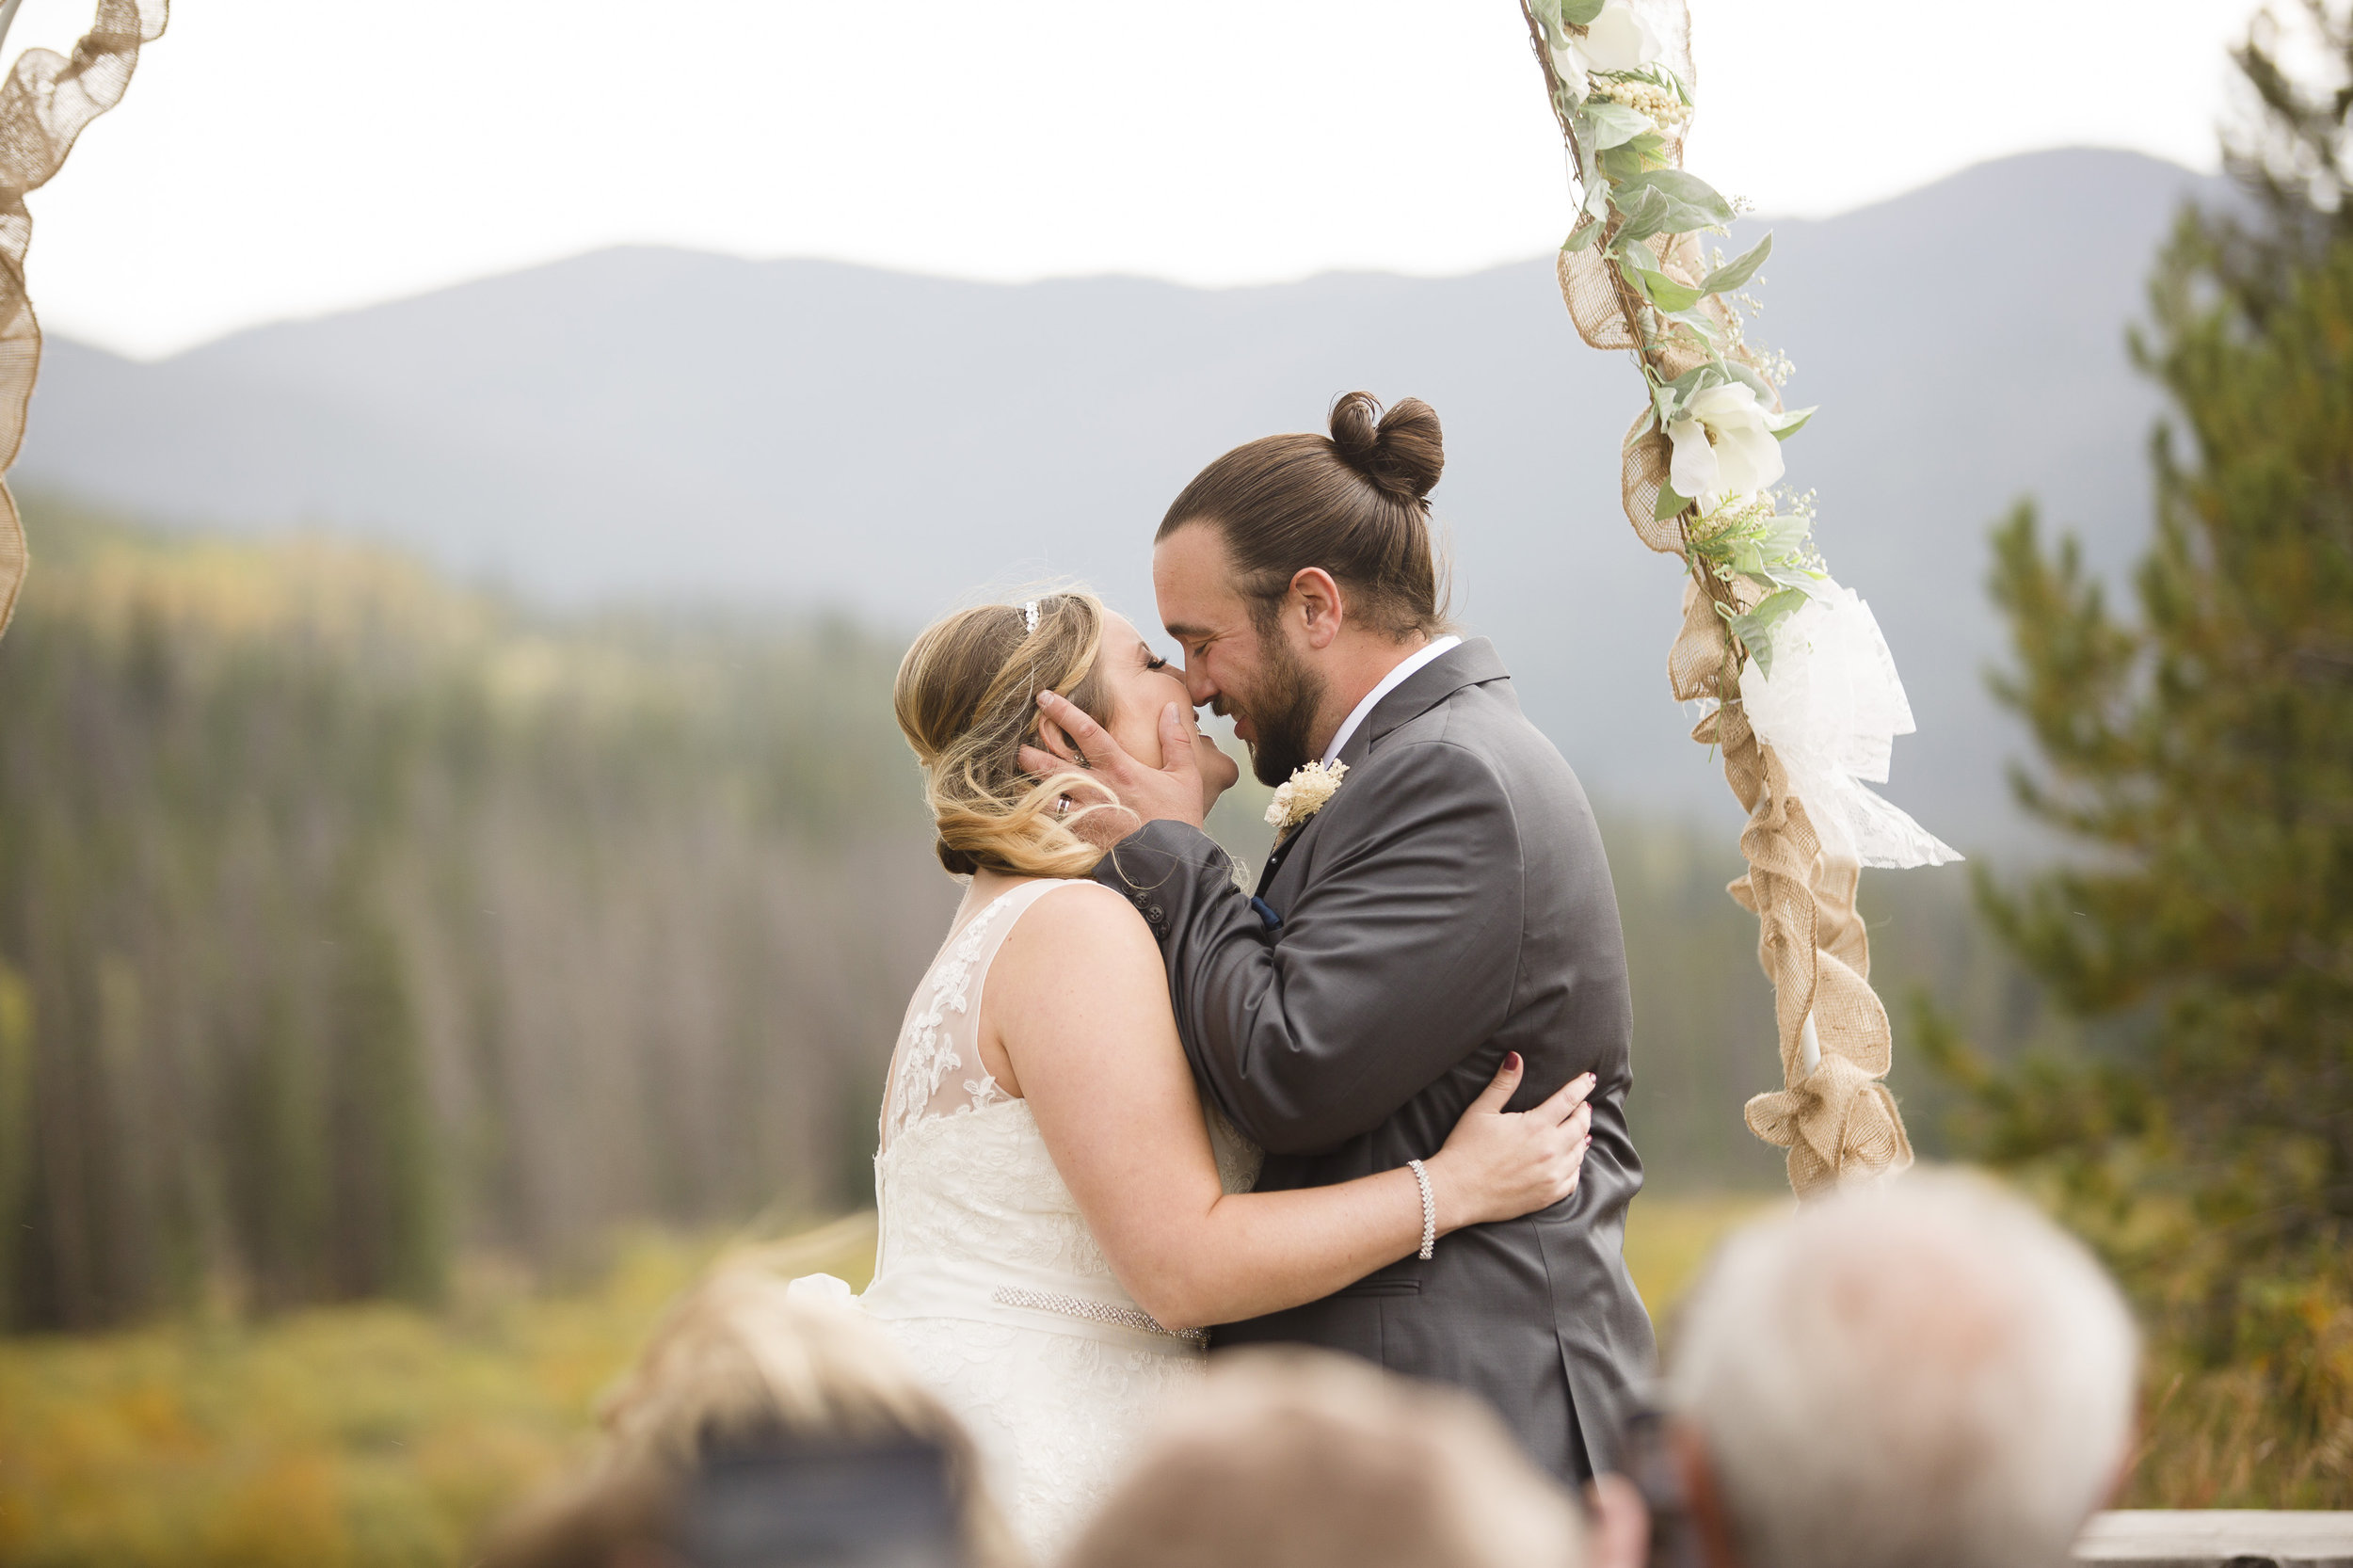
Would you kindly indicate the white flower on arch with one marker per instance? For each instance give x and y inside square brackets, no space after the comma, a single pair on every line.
[1617,40]
[1724,445]
[1620,39]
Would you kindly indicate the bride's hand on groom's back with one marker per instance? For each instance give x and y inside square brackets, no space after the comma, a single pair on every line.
[1500,1164]
[1138,792]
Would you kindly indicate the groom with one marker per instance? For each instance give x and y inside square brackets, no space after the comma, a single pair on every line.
[1448,905]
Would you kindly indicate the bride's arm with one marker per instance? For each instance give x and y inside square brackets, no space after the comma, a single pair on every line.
[1077,1000]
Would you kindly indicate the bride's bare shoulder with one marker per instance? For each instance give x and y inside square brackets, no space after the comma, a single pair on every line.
[1078,908]
[1079,968]
[1080,926]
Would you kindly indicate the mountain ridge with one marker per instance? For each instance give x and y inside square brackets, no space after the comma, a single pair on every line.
[664,425]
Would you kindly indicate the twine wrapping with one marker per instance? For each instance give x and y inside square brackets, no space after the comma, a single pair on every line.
[44,104]
[1833,1113]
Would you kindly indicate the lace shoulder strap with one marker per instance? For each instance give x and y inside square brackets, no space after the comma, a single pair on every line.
[937,1070]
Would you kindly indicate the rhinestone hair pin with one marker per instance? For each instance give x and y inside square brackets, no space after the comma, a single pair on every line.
[1029,614]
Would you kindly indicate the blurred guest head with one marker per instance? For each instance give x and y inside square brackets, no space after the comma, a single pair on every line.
[746,1370]
[1920,1374]
[1298,1459]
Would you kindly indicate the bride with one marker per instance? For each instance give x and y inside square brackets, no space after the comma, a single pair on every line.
[1059,1220]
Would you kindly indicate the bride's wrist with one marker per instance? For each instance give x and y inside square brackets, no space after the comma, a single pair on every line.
[1446,1191]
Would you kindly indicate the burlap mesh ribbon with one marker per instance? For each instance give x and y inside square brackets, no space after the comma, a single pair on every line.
[44,104]
[1832,1114]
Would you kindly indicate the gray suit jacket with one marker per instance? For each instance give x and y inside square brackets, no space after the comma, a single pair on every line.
[1449,904]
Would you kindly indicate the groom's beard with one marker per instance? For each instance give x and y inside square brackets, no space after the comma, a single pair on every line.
[1282,708]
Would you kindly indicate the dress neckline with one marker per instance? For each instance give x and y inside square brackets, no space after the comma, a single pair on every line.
[978,915]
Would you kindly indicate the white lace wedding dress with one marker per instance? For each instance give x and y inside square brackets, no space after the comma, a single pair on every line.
[985,1273]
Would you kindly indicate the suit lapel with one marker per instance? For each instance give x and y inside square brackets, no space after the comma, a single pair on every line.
[1274,860]
[1473,663]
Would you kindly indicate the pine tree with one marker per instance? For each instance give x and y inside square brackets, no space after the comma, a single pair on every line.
[2201,756]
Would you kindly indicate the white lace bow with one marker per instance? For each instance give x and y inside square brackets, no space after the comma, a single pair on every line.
[1831,710]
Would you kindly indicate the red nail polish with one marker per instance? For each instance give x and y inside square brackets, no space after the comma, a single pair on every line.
[1513,1062]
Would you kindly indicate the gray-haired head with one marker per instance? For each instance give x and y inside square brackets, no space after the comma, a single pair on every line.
[1297,1458]
[1926,1373]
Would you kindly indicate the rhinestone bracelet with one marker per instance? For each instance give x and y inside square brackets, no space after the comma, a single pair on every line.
[1428,1209]
[1096,1312]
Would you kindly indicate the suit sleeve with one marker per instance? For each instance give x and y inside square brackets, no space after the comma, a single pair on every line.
[1395,962]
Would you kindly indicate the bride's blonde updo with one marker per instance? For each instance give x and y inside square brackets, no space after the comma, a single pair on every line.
[967,701]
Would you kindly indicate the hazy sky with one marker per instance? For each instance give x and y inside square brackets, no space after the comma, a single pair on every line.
[287,157]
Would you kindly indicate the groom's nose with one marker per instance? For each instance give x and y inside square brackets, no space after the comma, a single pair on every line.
[1199,687]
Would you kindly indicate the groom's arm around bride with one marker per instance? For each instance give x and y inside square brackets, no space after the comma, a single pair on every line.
[1448,903]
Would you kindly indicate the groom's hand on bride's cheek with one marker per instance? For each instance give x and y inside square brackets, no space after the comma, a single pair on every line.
[1170,792]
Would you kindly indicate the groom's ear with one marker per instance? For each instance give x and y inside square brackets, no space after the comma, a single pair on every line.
[1315,604]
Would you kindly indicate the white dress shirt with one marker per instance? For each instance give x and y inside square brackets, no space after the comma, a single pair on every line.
[1389,682]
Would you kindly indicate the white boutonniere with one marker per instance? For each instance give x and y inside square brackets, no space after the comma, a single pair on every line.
[1304,795]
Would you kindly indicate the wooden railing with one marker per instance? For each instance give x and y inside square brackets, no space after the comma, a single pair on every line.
[2217,1537]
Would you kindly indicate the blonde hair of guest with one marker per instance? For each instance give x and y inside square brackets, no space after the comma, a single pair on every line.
[966,699]
[739,1363]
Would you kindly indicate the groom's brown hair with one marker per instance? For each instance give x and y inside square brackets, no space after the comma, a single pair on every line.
[1355,503]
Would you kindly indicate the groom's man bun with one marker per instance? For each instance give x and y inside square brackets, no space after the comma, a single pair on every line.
[1402,451]
[1355,503]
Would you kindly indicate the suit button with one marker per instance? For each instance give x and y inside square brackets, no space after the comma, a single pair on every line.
[1155,915]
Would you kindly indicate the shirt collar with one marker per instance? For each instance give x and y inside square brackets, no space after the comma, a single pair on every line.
[1389,682]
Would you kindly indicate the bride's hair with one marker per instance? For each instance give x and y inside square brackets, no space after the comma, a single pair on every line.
[967,701]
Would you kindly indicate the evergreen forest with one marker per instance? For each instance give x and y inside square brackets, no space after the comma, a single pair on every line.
[348,918]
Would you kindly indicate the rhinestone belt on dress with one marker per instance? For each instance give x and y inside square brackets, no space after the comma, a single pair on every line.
[1096,1312]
